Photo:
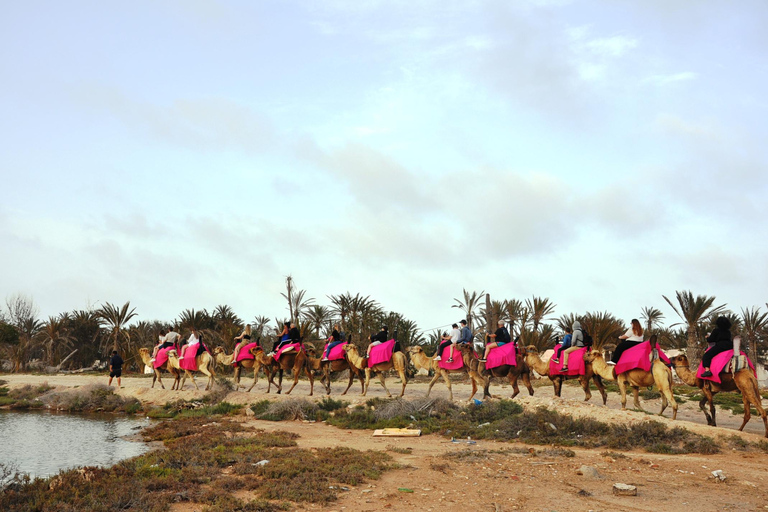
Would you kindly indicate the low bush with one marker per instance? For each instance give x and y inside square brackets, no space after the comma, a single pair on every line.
[91,398]
[296,409]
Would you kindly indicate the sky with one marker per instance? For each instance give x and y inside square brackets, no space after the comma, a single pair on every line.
[184,154]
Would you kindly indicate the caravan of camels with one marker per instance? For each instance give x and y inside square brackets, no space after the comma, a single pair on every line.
[635,363]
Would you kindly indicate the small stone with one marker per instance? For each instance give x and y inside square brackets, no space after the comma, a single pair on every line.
[624,490]
[249,412]
[589,472]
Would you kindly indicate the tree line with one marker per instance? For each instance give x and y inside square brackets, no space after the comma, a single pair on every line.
[79,338]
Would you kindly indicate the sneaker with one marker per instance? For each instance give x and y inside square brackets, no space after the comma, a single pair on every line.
[324,359]
[707,374]
[556,361]
[182,357]
[271,354]
[481,360]
[450,360]
[152,360]
[610,363]
[564,369]
[437,358]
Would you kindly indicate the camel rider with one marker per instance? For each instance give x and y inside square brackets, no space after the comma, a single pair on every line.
[452,340]
[501,337]
[465,335]
[377,339]
[171,339]
[577,342]
[334,340]
[193,344]
[721,340]
[243,339]
[564,344]
[158,345]
[283,339]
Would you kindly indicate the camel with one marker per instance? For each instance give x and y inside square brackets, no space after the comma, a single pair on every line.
[743,382]
[398,362]
[422,360]
[326,368]
[297,362]
[205,364]
[167,367]
[512,373]
[223,358]
[659,375]
[422,364]
[533,360]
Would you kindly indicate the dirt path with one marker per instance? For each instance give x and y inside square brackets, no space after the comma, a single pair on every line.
[689,414]
[498,476]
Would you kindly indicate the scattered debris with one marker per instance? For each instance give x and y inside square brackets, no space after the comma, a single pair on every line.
[718,475]
[397,432]
[624,490]
[404,489]
[584,493]
[261,463]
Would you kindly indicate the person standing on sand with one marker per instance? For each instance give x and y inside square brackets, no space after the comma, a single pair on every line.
[115,368]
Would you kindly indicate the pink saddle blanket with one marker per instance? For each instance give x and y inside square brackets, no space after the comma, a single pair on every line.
[245,352]
[162,357]
[381,353]
[638,356]
[296,348]
[501,355]
[337,352]
[190,358]
[576,364]
[719,363]
[457,363]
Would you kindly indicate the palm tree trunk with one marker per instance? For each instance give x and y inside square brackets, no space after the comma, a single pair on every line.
[693,351]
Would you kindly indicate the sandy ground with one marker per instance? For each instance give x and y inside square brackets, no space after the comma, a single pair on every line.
[509,481]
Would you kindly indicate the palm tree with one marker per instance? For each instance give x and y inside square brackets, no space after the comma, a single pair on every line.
[470,305]
[540,308]
[566,321]
[55,335]
[754,328]
[692,311]
[513,311]
[603,327]
[652,318]
[259,324]
[116,319]
[318,317]
[297,304]
[228,324]
[497,311]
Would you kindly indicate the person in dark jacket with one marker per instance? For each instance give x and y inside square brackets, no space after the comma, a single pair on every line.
[378,338]
[500,338]
[720,340]
[115,368]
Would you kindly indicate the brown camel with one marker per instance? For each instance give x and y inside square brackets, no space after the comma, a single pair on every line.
[205,364]
[743,382]
[512,373]
[297,362]
[248,364]
[422,360]
[533,360]
[659,375]
[166,367]
[398,362]
[326,368]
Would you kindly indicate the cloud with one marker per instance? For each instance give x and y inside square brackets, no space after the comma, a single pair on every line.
[662,80]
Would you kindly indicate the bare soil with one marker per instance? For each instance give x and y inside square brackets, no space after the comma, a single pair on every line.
[508,480]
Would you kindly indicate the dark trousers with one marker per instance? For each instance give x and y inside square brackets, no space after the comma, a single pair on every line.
[624,345]
[443,345]
[718,348]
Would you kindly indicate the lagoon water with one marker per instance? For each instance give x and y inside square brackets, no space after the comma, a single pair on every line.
[41,443]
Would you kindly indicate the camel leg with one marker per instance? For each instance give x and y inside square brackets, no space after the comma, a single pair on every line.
[447,380]
[383,381]
[192,376]
[474,378]
[600,387]
[255,378]
[623,390]
[558,383]
[404,379]
[176,381]
[702,405]
[747,412]
[513,381]
[349,384]
[158,379]
[710,396]
[432,382]
[487,388]
[367,380]
[311,380]
[668,398]
[237,378]
[636,396]
[326,379]
[585,386]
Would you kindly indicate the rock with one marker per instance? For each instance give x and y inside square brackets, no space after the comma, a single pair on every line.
[718,475]
[624,490]
[249,412]
[589,472]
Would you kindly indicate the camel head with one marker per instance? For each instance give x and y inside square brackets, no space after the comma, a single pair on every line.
[592,355]
[144,351]
[531,349]
[681,360]
[349,347]
[218,350]
[415,349]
